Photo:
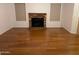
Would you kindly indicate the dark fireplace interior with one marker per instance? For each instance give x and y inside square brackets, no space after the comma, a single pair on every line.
[37,22]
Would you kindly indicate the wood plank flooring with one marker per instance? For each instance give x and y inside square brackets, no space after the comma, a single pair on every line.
[54,41]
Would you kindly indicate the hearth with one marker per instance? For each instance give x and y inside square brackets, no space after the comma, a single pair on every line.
[37,20]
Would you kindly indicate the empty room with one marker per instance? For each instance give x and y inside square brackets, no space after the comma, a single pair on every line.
[39,29]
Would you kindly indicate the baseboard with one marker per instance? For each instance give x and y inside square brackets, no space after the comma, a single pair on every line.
[53,24]
[22,24]
[70,31]
[3,31]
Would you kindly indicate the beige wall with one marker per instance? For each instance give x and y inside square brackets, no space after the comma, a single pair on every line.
[38,8]
[20,11]
[55,11]
[7,16]
[67,15]
[75,18]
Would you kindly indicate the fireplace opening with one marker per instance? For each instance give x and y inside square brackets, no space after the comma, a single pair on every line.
[37,22]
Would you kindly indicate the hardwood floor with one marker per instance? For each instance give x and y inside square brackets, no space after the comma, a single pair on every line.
[55,41]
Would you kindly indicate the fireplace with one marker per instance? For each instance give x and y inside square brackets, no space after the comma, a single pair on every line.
[37,20]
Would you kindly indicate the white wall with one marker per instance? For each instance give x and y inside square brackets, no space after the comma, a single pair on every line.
[38,8]
[34,8]
[75,19]
[67,16]
[7,17]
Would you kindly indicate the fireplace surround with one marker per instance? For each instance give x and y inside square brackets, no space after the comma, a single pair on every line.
[37,20]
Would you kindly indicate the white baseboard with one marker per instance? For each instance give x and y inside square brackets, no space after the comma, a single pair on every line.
[70,31]
[5,30]
[73,32]
[52,24]
[48,24]
[21,24]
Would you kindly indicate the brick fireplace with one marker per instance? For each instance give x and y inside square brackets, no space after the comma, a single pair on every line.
[37,20]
